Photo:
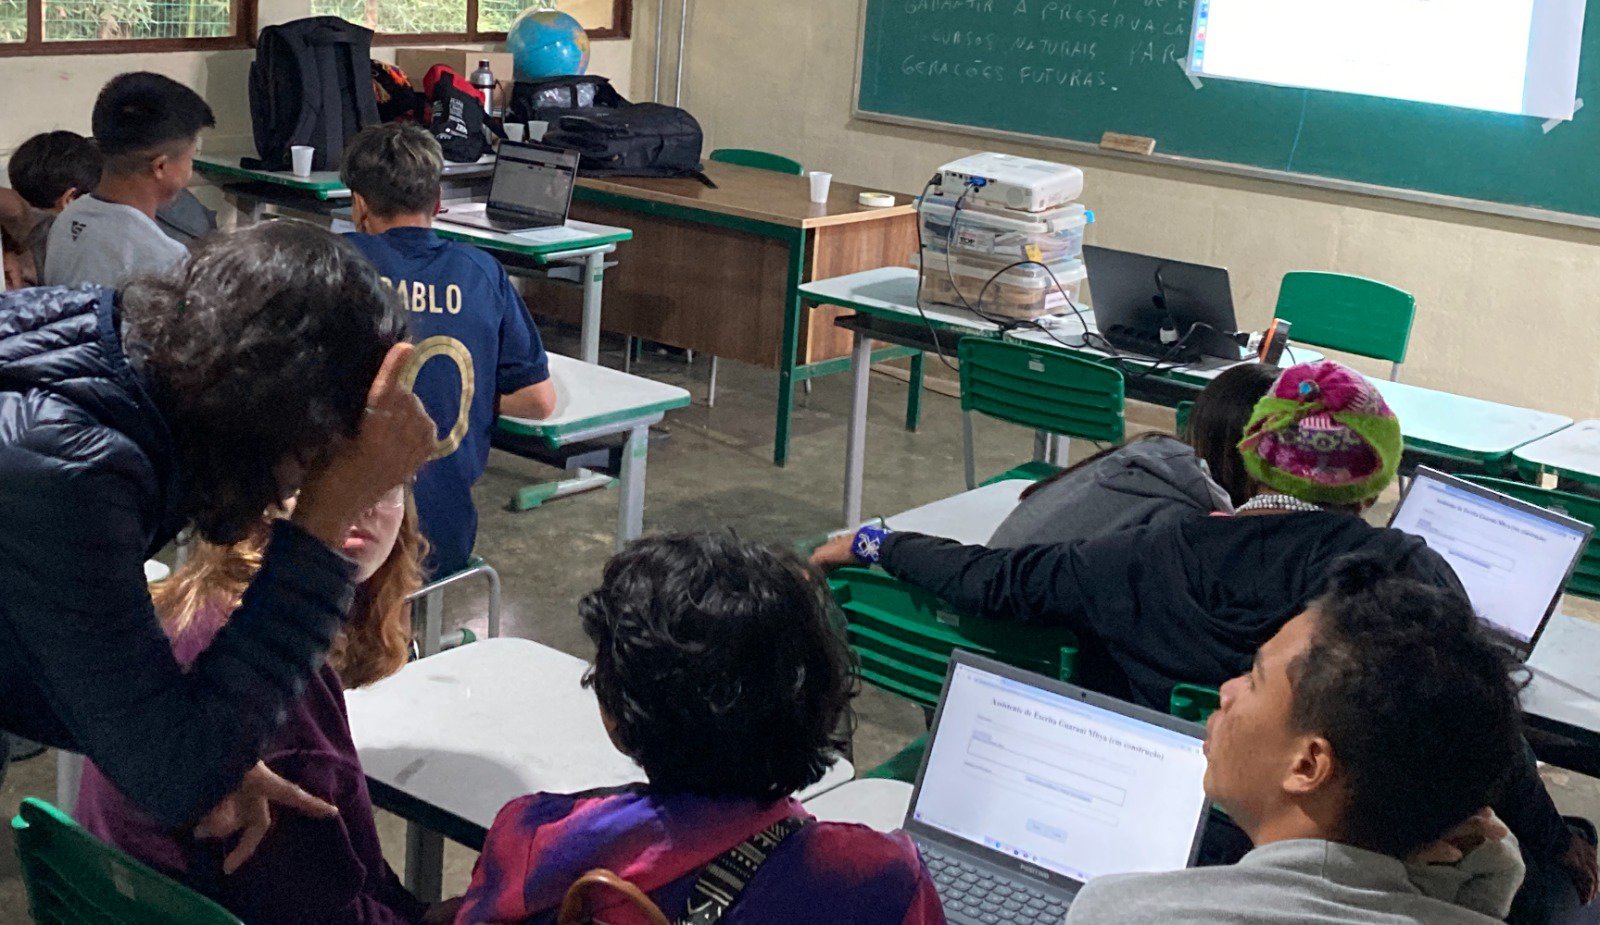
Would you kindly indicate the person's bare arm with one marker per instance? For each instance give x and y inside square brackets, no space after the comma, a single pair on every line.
[16,215]
[534,402]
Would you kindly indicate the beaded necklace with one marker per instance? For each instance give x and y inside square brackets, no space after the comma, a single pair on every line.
[1278,503]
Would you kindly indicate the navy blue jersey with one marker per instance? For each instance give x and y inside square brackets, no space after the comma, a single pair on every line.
[470,320]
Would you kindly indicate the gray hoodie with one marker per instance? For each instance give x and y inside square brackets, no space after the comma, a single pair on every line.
[1148,482]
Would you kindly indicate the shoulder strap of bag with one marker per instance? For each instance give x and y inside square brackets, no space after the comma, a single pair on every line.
[725,878]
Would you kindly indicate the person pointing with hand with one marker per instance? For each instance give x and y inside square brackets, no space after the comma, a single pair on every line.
[269,365]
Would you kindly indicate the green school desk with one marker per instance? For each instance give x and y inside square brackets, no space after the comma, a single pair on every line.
[1572,455]
[580,245]
[1456,432]
[593,403]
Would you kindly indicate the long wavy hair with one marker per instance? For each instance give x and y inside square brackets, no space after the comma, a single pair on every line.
[375,641]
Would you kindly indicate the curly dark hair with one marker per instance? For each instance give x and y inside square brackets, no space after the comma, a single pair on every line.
[719,666]
[1417,700]
[260,353]
[49,164]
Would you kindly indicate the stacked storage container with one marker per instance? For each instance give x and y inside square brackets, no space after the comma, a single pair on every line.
[1002,262]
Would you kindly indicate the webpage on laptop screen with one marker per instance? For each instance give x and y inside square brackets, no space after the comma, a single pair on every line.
[1510,561]
[1061,784]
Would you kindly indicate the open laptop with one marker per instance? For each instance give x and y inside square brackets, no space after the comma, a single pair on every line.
[1031,787]
[531,189]
[1513,557]
[1135,297]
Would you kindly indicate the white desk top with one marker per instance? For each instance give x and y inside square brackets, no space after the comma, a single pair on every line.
[872,802]
[572,236]
[589,396]
[970,517]
[470,729]
[1470,425]
[1566,673]
[1575,451]
[891,291]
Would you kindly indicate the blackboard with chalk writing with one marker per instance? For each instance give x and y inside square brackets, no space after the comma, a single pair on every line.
[1072,70]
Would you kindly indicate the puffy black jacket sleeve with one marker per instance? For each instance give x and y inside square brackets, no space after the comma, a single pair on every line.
[1033,584]
[74,601]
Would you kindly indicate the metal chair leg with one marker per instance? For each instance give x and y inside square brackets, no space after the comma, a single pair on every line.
[428,602]
[711,389]
[969,450]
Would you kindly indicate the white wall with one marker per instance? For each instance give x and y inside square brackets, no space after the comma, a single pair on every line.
[39,94]
[1508,309]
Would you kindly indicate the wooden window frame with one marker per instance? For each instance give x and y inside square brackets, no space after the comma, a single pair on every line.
[34,45]
[621,28]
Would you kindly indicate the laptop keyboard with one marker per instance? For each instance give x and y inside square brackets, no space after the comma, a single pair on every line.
[972,894]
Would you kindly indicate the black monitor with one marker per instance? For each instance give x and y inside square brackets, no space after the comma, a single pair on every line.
[1135,296]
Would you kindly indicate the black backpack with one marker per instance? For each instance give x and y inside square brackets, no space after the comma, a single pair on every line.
[634,140]
[456,117]
[310,84]
[549,99]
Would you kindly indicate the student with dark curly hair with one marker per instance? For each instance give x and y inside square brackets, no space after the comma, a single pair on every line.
[720,672]
[269,365]
[1369,727]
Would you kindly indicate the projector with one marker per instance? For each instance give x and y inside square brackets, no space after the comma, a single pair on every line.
[1009,182]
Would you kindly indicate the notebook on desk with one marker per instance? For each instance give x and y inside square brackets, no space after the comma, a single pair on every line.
[1031,787]
[1512,557]
[531,190]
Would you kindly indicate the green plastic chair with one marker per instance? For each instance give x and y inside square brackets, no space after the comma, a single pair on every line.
[73,878]
[904,637]
[1585,580]
[1039,388]
[1350,314]
[1193,702]
[1184,410]
[760,160]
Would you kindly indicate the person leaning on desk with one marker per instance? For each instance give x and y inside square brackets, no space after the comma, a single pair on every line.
[269,365]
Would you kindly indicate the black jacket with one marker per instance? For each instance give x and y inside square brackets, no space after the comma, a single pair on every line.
[88,488]
[1187,602]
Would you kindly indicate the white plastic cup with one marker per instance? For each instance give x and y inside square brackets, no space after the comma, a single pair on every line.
[820,181]
[515,131]
[300,156]
[536,130]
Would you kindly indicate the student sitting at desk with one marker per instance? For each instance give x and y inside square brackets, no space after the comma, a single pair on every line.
[328,871]
[1368,728]
[47,172]
[1191,602]
[463,307]
[1151,481]
[148,128]
[719,671]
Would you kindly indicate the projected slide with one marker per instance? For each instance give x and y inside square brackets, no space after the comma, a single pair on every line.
[1513,56]
[1069,787]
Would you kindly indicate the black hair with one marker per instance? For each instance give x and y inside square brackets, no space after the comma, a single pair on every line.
[262,352]
[51,163]
[1216,425]
[719,665]
[1416,699]
[139,113]
[395,168]
[1215,428]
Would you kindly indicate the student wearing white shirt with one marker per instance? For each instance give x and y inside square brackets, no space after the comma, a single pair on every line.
[148,128]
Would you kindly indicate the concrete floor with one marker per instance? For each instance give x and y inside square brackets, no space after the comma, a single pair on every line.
[713,470]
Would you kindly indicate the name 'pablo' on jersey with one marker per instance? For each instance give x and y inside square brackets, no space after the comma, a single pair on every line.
[424,297]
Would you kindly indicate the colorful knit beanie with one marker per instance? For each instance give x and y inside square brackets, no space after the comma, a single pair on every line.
[1323,434]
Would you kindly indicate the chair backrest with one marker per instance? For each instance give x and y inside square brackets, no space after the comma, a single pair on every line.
[1193,702]
[577,906]
[761,160]
[73,878]
[1183,411]
[1585,580]
[904,636]
[1042,389]
[1351,314]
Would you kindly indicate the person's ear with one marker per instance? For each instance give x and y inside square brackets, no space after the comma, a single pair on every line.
[438,204]
[358,212]
[1312,768]
[66,198]
[158,165]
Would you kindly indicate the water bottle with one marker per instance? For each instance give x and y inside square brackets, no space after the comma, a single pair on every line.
[483,81]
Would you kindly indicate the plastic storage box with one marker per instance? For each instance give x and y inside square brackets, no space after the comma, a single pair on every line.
[1050,237]
[1018,292]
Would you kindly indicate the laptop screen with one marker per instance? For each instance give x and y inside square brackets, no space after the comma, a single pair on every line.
[1512,557]
[1074,788]
[533,181]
